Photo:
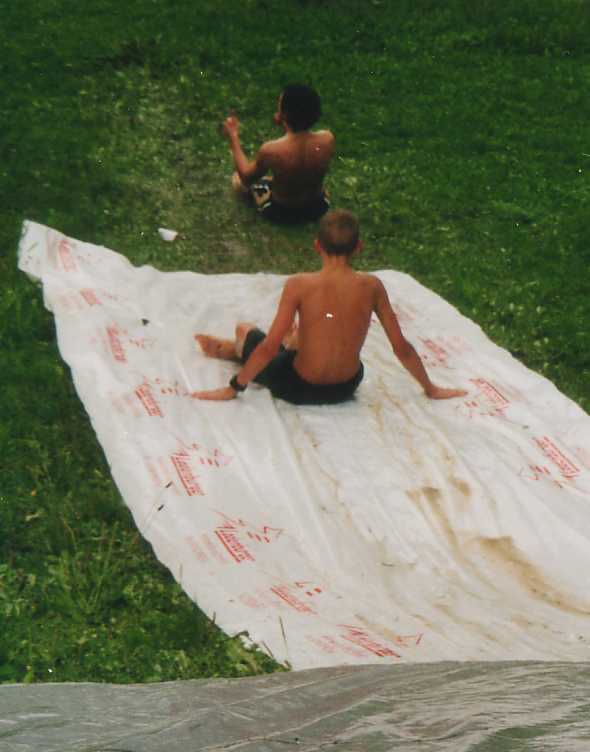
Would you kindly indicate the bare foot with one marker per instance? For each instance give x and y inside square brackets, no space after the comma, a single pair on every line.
[213,347]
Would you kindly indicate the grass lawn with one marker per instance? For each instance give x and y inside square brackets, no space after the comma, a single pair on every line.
[463,146]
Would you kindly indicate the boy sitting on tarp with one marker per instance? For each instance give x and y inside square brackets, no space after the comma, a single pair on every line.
[298,161]
[319,362]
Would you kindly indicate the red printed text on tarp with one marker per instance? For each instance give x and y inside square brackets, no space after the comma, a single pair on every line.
[145,396]
[566,467]
[185,473]
[364,640]
[64,250]
[238,536]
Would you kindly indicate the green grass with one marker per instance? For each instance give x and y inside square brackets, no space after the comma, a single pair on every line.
[462,145]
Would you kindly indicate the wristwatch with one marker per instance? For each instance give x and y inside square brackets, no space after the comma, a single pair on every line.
[235,384]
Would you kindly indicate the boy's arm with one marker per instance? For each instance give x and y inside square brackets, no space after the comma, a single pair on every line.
[267,349]
[404,350]
[248,170]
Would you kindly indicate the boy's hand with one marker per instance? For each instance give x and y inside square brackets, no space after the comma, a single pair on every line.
[440,393]
[231,126]
[216,395]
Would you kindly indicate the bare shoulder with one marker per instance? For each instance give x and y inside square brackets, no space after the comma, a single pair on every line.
[298,283]
[376,290]
[275,144]
[325,135]
[368,278]
[370,281]
[325,139]
[267,148]
[274,151]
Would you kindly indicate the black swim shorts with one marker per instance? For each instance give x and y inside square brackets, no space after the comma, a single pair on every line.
[286,215]
[284,382]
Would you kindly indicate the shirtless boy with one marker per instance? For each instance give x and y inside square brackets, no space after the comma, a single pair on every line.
[298,161]
[334,308]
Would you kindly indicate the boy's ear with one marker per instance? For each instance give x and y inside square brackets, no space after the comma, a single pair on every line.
[358,248]
[317,245]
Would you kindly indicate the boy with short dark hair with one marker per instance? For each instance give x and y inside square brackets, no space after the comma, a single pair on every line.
[298,161]
[320,364]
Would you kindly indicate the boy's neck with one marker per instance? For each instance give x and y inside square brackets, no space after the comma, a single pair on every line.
[290,132]
[334,263]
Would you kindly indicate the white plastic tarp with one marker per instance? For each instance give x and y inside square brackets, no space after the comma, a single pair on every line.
[390,528]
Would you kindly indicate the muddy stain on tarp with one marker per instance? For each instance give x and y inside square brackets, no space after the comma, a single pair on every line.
[396,403]
[461,486]
[503,553]
[377,410]
[478,627]
[298,428]
[434,498]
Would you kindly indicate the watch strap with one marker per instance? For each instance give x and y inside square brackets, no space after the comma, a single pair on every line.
[235,384]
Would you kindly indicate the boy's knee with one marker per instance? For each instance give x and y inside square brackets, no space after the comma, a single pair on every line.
[242,329]
[238,186]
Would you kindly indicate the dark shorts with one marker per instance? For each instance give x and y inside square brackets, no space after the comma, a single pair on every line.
[284,382]
[286,215]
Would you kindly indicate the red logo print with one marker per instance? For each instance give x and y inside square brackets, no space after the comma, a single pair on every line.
[64,250]
[436,353]
[364,640]
[489,400]
[494,396]
[292,595]
[232,532]
[147,399]
[115,344]
[204,456]
[566,466]
[180,460]
[118,340]
[542,473]
[90,297]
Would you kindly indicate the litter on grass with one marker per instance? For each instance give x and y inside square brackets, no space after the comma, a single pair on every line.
[168,235]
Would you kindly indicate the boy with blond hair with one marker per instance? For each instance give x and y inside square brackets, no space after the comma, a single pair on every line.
[319,362]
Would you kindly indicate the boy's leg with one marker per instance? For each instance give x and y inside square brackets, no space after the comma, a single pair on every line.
[258,193]
[214,347]
[243,328]
[238,186]
[226,349]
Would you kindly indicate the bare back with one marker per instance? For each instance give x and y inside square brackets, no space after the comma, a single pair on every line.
[334,308]
[298,162]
